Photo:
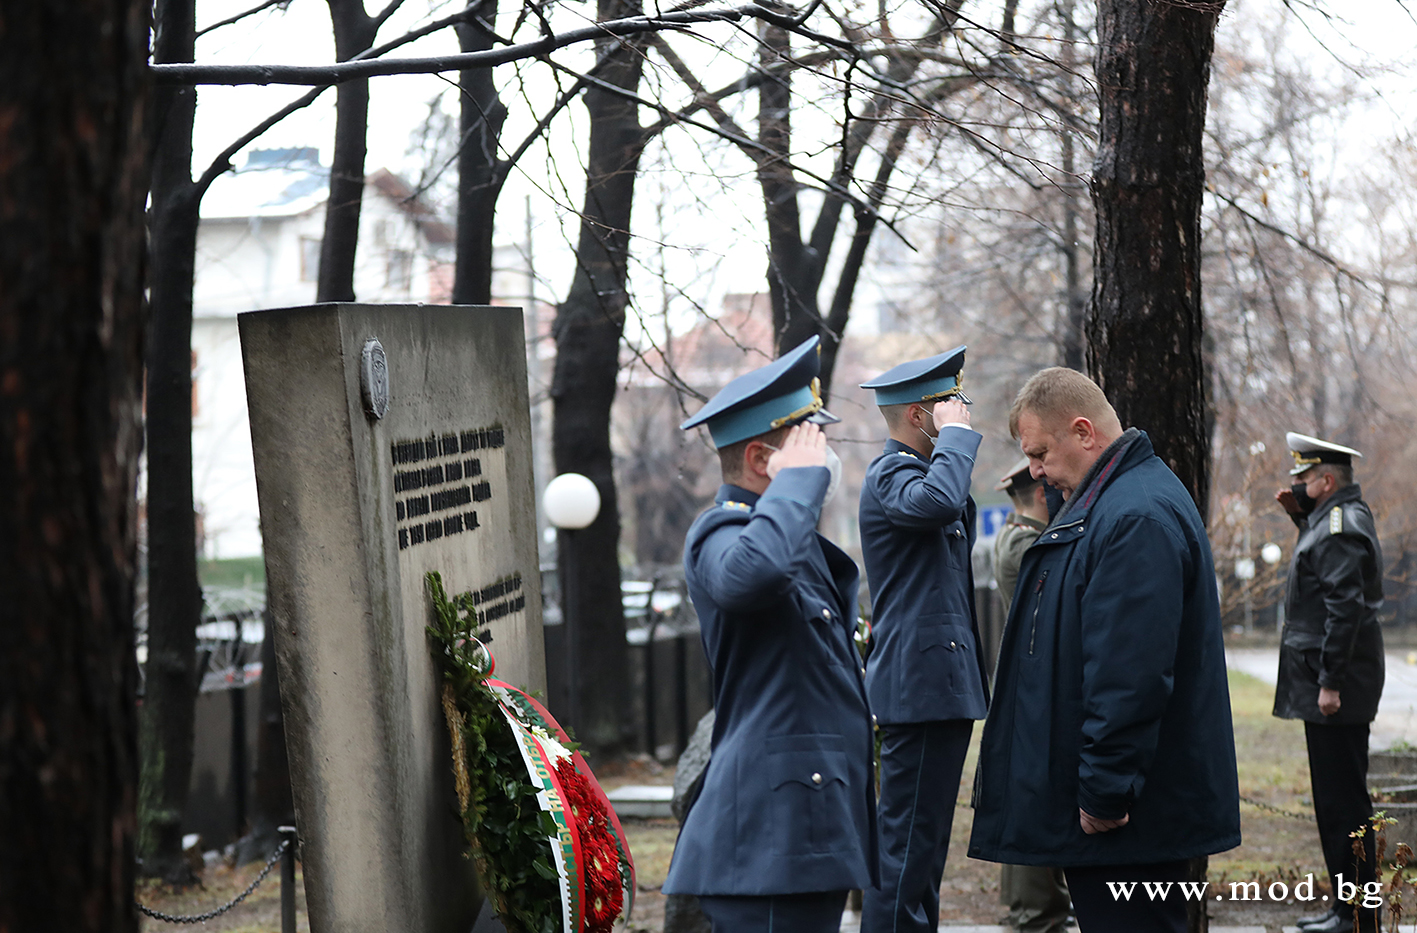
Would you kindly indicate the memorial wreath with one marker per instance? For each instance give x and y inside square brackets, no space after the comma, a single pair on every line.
[548,847]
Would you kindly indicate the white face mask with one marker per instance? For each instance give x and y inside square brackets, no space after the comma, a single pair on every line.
[834,467]
[932,437]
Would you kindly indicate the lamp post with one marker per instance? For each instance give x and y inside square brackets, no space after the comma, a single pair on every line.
[571,502]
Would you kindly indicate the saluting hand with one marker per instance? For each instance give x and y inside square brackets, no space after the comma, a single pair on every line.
[805,446]
[950,411]
[1285,497]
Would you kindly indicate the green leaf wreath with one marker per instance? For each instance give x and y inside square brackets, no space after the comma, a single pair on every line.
[502,819]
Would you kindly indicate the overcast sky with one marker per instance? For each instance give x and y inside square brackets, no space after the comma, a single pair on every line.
[708,228]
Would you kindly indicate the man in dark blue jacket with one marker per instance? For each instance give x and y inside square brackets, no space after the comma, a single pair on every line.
[1108,749]
[925,674]
[785,823]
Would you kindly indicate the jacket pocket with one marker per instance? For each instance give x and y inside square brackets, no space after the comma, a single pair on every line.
[944,644]
[810,809]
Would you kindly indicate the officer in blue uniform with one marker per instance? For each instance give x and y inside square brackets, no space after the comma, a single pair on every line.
[926,673]
[785,823]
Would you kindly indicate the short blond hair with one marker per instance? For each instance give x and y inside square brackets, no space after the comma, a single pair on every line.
[1059,392]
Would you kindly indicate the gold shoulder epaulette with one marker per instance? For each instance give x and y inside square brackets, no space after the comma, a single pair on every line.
[1335,521]
[737,506]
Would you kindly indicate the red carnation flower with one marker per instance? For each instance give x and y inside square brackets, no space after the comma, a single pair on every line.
[604,897]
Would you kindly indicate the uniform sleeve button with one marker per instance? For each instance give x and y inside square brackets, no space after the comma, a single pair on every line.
[826,613]
[953,645]
[1054,535]
[816,777]
[873,719]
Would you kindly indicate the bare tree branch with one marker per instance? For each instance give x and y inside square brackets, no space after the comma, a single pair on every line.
[383,16]
[222,162]
[354,70]
[240,16]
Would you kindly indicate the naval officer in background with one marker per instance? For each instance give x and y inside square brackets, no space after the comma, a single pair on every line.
[1331,657]
[925,674]
[785,823]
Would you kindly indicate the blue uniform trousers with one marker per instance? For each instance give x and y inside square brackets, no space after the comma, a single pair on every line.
[920,770]
[819,912]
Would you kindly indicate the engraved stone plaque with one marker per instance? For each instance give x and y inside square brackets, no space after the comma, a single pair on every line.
[362,492]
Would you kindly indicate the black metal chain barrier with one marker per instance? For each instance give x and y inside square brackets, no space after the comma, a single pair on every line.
[202,918]
[1273,809]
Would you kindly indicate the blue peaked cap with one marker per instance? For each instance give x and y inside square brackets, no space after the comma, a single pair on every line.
[784,392]
[928,380]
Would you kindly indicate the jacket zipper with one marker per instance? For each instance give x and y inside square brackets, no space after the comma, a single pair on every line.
[1037,602]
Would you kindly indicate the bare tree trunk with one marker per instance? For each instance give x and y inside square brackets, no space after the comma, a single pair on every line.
[794,267]
[1145,327]
[73,87]
[1145,324]
[587,330]
[354,32]
[1075,303]
[483,114]
[174,594]
[273,805]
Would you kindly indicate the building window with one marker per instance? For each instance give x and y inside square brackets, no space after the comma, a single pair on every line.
[309,259]
[399,275]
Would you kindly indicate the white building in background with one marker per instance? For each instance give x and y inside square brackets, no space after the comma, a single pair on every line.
[258,246]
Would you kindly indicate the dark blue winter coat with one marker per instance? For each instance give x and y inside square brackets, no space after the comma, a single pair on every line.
[1111,692]
[917,530]
[788,799]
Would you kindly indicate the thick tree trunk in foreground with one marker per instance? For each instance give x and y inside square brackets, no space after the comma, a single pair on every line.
[72,184]
[1144,326]
[174,595]
[587,330]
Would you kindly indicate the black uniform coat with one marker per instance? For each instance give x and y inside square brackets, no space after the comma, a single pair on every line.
[917,530]
[1331,634]
[1111,691]
[788,799]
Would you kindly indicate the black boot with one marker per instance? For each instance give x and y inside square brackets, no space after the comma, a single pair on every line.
[1341,921]
[1304,923]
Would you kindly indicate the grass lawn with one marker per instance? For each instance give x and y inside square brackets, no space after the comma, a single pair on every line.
[234,572]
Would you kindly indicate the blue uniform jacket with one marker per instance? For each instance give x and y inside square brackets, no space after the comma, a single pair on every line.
[1111,692]
[917,529]
[788,799]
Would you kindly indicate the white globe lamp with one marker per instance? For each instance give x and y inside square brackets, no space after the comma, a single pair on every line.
[1271,553]
[571,501]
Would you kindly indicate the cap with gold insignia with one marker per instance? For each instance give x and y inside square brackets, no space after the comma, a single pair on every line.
[1018,473]
[929,380]
[784,392]
[1308,451]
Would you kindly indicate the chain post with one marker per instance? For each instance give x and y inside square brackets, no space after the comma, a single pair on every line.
[287,880]
[283,849]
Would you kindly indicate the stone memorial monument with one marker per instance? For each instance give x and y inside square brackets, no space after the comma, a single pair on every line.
[389,441]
